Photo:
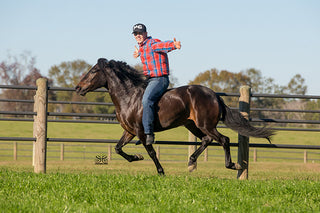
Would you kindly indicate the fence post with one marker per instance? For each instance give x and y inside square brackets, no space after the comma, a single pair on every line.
[305,156]
[191,148]
[243,141]
[35,124]
[255,155]
[15,150]
[62,152]
[109,152]
[40,128]
[206,155]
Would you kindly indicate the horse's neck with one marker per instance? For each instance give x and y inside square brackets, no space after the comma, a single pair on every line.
[122,97]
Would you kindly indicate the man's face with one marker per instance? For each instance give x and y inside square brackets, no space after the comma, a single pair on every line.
[140,37]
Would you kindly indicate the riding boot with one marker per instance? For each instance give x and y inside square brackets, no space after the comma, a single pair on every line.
[150,139]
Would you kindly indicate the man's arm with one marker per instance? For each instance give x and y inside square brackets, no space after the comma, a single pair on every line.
[166,46]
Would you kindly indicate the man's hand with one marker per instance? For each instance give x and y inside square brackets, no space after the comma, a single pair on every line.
[136,52]
[177,44]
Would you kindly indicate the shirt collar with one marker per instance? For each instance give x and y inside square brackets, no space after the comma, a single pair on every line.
[145,41]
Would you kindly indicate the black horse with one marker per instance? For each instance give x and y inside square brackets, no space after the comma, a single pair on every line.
[196,107]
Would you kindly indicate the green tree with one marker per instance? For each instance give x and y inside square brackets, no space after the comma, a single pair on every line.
[67,74]
[262,85]
[296,86]
[222,81]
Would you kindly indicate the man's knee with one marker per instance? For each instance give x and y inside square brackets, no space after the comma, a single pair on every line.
[147,102]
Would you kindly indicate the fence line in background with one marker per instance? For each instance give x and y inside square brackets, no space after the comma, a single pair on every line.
[303,155]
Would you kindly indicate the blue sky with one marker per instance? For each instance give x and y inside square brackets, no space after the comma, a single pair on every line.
[279,38]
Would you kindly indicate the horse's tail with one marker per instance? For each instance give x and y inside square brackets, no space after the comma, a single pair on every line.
[235,121]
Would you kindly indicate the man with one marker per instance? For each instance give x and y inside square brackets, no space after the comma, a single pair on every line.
[154,58]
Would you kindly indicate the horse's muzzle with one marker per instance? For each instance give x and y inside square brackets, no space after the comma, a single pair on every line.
[80,91]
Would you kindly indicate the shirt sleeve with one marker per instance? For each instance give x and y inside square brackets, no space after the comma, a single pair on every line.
[163,46]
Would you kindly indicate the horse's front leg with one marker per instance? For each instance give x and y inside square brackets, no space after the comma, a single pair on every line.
[125,139]
[153,156]
[152,153]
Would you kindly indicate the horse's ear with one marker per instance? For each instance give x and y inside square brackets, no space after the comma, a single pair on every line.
[102,62]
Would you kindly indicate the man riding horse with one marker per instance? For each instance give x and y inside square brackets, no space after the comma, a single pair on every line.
[153,55]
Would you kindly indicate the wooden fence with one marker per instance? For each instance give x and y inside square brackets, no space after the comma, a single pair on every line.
[69,151]
[41,114]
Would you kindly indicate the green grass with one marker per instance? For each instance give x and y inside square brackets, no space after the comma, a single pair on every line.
[88,191]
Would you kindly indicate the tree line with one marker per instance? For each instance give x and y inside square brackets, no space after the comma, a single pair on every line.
[21,70]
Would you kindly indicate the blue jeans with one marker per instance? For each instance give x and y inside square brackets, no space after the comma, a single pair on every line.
[155,88]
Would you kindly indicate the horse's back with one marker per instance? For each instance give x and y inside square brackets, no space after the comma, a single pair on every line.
[191,102]
[189,94]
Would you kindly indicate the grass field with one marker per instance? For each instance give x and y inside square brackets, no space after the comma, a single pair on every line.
[104,191]
[81,186]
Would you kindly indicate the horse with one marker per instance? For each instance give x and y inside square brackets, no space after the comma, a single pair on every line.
[196,107]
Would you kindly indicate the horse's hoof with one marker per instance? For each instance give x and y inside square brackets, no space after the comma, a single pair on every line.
[139,157]
[138,142]
[234,166]
[192,167]
[161,174]
[237,166]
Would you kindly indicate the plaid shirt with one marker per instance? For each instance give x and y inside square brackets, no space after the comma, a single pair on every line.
[153,55]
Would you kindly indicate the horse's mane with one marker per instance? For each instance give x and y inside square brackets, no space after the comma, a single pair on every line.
[127,74]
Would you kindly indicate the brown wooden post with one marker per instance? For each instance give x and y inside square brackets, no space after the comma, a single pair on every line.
[243,141]
[206,155]
[62,152]
[192,148]
[305,156]
[40,148]
[255,155]
[109,152]
[15,150]
[35,124]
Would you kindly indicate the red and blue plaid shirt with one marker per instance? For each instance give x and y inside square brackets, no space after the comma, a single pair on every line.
[153,55]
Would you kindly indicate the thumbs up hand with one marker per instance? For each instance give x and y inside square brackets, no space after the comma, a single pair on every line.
[177,44]
[136,52]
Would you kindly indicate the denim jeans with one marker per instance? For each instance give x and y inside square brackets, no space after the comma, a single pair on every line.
[155,88]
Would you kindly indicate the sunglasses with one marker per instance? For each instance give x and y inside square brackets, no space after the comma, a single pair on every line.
[135,34]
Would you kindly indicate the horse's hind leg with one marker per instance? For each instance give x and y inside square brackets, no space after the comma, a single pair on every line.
[224,141]
[192,165]
[125,139]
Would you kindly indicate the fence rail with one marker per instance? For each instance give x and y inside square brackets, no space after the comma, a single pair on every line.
[80,140]
[73,151]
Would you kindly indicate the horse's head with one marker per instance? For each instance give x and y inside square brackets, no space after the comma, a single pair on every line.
[94,79]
